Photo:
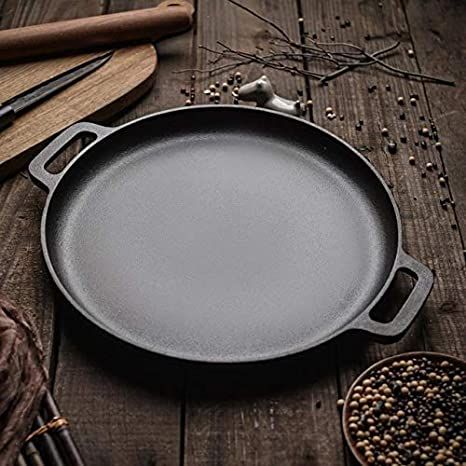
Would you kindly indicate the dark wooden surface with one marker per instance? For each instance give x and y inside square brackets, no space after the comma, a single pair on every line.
[128,409]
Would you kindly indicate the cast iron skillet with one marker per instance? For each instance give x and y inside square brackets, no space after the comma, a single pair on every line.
[223,234]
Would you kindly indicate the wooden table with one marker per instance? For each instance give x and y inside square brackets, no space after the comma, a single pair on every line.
[126,410]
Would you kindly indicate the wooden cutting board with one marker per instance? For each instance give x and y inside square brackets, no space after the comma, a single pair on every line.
[111,88]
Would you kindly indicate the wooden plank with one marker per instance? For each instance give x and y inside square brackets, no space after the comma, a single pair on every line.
[437,31]
[271,414]
[427,233]
[125,407]
[22,273]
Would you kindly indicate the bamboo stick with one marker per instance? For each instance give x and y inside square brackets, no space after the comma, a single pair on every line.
[32,455]
[47,445]
[63,433]
[21,461]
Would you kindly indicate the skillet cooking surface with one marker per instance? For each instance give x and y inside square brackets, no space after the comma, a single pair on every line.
[231,236]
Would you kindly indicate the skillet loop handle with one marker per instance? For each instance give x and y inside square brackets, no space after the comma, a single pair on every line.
[410,308]
[38,167]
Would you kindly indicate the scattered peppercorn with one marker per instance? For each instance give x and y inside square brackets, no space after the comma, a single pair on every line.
[402,116]
[424,131]
[391,147]
[188,102]
[384,131]
[403,139]
[230,79]
[429,165]
[438,146]
[224,87]
[413,101]
[412,160]
[410,53]
[401,100]
[238,77]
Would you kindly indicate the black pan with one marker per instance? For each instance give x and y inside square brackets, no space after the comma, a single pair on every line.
[223,234]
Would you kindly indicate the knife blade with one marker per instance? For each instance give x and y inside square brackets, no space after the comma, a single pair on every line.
[13,107]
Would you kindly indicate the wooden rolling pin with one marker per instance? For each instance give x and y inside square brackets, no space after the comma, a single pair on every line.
[170,17]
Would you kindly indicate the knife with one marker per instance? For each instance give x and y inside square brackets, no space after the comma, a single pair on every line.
[13,107]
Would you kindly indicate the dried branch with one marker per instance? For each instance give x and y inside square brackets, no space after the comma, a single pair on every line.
[349,67]
[342,56]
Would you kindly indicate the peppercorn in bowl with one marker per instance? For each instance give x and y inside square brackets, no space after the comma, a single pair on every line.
[408,409]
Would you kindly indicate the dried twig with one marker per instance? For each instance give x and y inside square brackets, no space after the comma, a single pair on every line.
[349,67]
[343,56]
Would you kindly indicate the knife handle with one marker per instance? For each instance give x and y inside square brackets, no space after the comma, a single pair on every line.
[7,115]
[146,25]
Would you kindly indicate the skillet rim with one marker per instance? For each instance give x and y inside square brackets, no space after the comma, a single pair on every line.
[219,360]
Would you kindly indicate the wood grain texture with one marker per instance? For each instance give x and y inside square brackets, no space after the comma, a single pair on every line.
[23,278]
[439,41]
[427,227]
[96,97]
[267,414]
[427,230]
[125,408]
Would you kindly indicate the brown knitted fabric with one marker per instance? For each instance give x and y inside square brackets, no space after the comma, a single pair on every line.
[22,379]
